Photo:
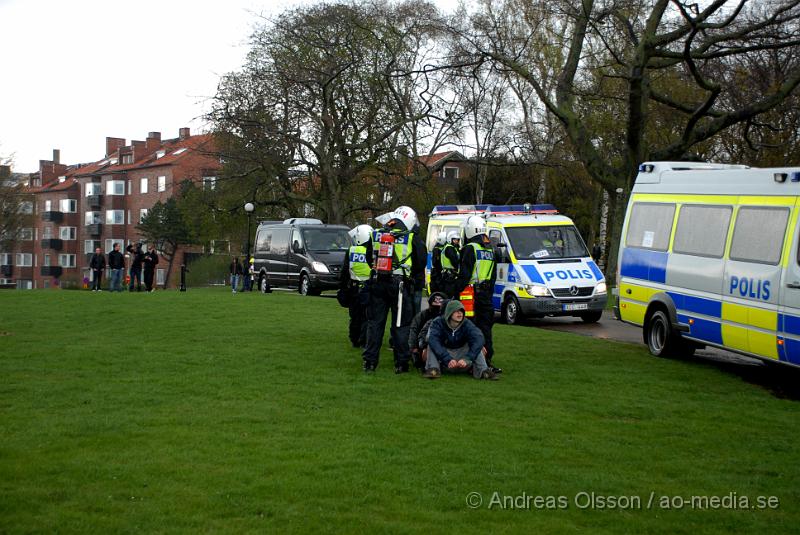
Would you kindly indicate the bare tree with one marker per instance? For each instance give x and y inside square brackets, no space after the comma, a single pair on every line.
[636,80]
[13,199]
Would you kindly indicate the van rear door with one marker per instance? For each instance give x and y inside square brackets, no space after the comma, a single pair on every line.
[789,310]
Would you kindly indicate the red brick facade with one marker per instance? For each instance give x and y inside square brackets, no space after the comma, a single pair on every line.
[108,197]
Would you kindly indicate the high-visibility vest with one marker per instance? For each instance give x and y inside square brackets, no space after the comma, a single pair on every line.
[358,265]
[484,262]
[447,265]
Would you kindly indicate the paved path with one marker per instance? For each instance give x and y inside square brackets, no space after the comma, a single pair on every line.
[782,381]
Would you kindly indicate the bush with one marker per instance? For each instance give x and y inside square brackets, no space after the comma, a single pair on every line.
[207,271]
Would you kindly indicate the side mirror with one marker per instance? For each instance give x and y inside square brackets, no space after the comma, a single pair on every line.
[501,254]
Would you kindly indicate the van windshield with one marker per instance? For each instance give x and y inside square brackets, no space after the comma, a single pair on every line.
[326,239]
[562,241]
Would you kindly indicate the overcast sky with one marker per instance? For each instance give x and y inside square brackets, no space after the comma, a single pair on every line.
[76,71]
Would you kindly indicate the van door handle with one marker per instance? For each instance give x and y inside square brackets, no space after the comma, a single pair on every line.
[795,285]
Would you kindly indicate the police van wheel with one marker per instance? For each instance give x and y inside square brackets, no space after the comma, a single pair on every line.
[511,311]
[592,317]
[305,284]
[661,341]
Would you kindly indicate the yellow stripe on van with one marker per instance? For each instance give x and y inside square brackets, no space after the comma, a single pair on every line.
[763,344]
[632,312]
[734,313]
[685,199]
[735,337]
[636,292]
[766,200]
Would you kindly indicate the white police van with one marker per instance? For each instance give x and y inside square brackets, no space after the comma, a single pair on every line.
[543,266]
[710,255]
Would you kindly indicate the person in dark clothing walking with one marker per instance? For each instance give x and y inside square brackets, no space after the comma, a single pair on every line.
[137,258]
[98,265]
[399,265]
[150,263]
[116,262]
[478,269]
[236,273]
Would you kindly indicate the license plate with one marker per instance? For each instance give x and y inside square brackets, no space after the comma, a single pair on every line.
[576,306]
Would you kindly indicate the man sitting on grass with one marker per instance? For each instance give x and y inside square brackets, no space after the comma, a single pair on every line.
[457,344]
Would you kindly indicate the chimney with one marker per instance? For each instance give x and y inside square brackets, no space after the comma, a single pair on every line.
[183,133]
[56,156]
[153,141]
[5,172]
[113,144]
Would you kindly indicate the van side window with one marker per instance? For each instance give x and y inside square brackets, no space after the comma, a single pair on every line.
[263,241]
[297,238]
[650,225]
[702,230]
[280,241]
[758,234]
[432,235]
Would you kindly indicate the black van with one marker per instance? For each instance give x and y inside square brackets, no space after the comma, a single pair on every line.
[300,253]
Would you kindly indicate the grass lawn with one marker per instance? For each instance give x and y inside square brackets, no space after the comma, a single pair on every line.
[203,411]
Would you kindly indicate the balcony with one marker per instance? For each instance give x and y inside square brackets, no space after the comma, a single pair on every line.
[53,217]
[94,229]
[6,270]
[94,201]
[51,271]
[52,243]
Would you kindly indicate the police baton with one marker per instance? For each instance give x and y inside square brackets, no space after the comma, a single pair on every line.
[399,304]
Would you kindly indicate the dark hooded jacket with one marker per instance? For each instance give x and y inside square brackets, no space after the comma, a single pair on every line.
[442,337]
[418,332]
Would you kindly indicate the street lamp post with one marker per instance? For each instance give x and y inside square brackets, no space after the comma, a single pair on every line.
[248,207]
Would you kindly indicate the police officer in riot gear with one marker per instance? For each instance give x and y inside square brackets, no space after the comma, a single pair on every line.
[478,268]
[451,260]
[355,276]
[393,286]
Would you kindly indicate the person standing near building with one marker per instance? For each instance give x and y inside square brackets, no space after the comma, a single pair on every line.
[137,259]
[478,269]
[236,273]
[116,262]
[97,264]
[150,263]
[353,281]
[398,257]
[450,264]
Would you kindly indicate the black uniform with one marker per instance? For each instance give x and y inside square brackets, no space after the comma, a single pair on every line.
[137,258]
[383,293]
[436,268]
[150,262]
[449,284]
[98,265]
[484,310]
[357,293]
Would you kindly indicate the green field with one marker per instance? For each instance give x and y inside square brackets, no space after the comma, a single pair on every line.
[203,411]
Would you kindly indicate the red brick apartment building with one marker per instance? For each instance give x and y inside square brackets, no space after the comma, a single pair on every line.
[77,208]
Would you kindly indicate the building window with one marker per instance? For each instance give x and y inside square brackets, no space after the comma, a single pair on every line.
[110,244]
[115,217]
[387,197]
[66,233]
[160,276]
[451,173]
[26,207]
[24,284]
[162,183]
[48,205]
[90,245]
[66,260]
[26,234]
[127,158]
[69,205]
[46,260]
[160,154]
[142,214]
[5,259]
[24,259]
[93,218]
[115,187]
[209,182]
[94,188]
[179,151]
[47,233]
[143,183]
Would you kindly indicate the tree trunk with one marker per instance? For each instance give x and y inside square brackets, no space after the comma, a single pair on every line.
[618,203]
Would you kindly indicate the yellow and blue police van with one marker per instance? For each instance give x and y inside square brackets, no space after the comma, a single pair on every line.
[709,256]
[543,265]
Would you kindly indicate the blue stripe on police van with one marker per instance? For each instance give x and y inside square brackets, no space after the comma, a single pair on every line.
[533,274]
[789,324]
[644,264]
[707,330]
[697,305]
[496,301]
[596,270]
[791,351]
[512,274]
